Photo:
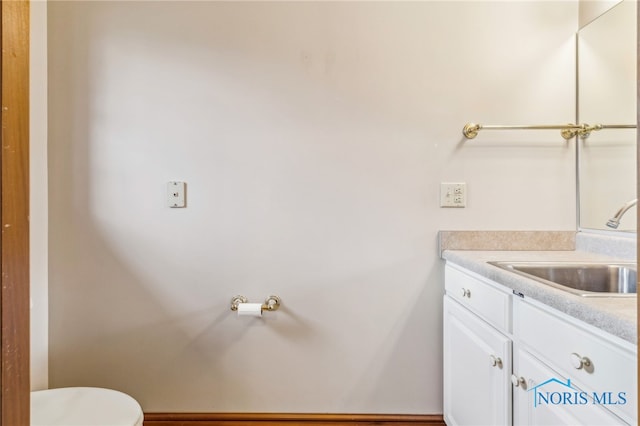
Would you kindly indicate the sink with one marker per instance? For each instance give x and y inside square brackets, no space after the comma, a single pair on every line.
[587,279]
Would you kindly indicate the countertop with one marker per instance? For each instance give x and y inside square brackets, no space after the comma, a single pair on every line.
[615,315]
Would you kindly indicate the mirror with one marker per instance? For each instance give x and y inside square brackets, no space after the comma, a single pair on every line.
[606,63]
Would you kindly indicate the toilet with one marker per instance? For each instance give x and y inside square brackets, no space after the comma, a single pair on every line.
[80,406]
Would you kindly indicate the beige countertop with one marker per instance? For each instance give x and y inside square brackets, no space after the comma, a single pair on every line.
[615,315]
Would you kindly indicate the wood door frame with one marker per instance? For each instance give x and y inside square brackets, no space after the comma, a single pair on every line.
[14,214]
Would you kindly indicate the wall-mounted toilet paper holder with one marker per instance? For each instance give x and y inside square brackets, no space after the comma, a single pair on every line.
[271,303]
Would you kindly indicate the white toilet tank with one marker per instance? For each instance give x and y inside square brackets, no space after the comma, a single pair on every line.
[84,407]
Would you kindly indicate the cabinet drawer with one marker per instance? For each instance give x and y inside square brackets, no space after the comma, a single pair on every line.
[561,341]
[487,301]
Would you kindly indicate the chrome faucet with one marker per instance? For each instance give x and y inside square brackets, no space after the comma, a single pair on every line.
[615,220]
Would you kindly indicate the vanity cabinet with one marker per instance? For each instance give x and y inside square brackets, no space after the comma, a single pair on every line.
[477,353]
[597,364]
[530,372]
[501,350]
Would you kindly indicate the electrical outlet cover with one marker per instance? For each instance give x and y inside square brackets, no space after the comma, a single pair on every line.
[453,194]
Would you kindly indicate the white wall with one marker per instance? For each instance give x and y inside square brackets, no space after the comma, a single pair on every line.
[588,10]
[38,195]
[313,137]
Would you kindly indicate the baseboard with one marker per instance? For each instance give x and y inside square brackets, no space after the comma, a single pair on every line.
[276,419]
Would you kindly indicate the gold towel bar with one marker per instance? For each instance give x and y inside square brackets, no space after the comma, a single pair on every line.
[567,131]
[586,131]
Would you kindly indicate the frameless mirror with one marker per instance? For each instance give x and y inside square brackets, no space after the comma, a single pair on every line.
[607,52]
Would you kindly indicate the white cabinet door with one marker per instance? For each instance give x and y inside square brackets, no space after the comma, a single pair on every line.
[558,404]
[477,370]
[560,341]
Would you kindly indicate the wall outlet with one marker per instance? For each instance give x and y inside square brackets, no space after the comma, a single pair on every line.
[453,194]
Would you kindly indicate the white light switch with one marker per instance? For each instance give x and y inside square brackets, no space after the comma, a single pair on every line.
[453,194]
[176,194]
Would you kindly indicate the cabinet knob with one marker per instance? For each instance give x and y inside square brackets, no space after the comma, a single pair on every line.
[518,381]
[466,292]
[578,362]
[495,361]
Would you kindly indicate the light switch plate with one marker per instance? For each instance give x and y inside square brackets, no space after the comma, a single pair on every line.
[453,194]
[176,194]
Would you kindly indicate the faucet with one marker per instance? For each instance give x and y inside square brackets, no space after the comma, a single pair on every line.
[615,220]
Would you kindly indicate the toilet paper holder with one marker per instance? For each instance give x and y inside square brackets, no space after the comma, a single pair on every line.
[271,303]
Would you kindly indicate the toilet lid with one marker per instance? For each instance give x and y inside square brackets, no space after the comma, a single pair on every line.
[84,407]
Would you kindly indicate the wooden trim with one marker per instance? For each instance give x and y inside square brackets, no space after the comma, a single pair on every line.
[275,419]
[14,214]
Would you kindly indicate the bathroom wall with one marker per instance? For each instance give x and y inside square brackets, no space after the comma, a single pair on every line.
[38,235]
[313,137]
[588,10]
